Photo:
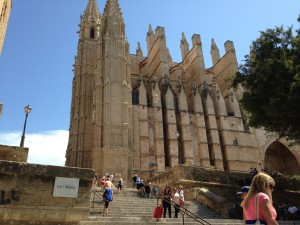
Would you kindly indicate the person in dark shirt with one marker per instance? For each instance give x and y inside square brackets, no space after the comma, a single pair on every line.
[238,210]
[148,190]
[166,201]
[141,188]
[134,180]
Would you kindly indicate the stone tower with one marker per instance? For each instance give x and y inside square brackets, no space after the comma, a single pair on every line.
[146,114]
[5,8]
[100,126]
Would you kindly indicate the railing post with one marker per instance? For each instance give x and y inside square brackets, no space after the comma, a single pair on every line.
[94,198]
[157,219]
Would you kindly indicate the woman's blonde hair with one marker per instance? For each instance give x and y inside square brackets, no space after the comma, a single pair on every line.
[261,182]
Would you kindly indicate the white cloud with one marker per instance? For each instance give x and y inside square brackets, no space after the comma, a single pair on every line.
[44,148]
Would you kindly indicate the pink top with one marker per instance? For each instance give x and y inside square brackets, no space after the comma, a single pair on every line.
[250,213]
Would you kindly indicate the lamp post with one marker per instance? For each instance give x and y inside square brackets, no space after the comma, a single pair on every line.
[27,110]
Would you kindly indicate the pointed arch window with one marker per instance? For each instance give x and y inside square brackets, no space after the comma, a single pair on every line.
[135,96]
[92,33]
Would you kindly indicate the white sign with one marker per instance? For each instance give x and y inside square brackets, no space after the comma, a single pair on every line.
[66,187]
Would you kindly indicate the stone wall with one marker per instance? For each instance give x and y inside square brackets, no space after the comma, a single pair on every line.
[26,192]
[13,153]
[208,199]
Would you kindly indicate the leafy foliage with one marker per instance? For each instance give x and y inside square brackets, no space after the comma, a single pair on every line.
[271,79]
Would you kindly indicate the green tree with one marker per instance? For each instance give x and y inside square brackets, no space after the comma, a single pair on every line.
[271,79]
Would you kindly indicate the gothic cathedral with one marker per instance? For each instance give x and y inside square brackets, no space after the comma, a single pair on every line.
[146,114]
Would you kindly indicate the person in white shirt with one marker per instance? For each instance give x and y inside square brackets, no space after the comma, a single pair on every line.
[175,199]
[181,196]
[111,178]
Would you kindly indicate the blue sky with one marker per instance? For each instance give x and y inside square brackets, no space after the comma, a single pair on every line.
[41,42]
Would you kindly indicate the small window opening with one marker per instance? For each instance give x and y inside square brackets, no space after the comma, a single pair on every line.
[92,33]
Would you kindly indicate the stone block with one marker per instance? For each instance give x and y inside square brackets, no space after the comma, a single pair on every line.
[13,153]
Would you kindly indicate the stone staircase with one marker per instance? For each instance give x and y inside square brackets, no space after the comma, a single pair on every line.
[128,208]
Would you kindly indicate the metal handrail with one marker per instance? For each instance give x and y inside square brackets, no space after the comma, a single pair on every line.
[95,192]
[185,211]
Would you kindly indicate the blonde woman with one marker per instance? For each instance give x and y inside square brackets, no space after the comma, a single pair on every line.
[261,192]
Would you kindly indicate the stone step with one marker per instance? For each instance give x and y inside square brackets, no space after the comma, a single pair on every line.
[148,211]
[149,221]
[138,220]
[132,204]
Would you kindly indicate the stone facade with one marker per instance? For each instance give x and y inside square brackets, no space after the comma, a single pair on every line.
[5,7]
[26,194]
[12,153]
[146,114]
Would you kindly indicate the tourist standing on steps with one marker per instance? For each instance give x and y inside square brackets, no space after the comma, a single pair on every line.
[134,180]
[120,185]
[238,210]
[102,182]
[112,178]
[107,196]
[181,196]
[95,180]
[166,201]
[175,199]
[155,191]
[148,189]
[259,198]
[108,183]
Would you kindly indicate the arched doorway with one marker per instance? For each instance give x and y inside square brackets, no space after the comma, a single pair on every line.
[279,158]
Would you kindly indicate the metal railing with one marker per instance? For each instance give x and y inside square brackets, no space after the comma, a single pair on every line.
[184,211]
[95,193]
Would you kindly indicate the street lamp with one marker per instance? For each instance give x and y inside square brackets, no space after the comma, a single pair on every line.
[27,110]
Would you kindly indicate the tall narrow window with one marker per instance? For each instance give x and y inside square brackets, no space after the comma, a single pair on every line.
[135,96]
[92,33]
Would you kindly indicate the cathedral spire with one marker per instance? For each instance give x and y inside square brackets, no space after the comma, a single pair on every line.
[90,21]
[214,51]
[91,13]
[139,50]
[184,45]
[150,38]
[112,19]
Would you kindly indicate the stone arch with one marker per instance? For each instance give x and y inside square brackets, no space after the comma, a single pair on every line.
[279,158]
